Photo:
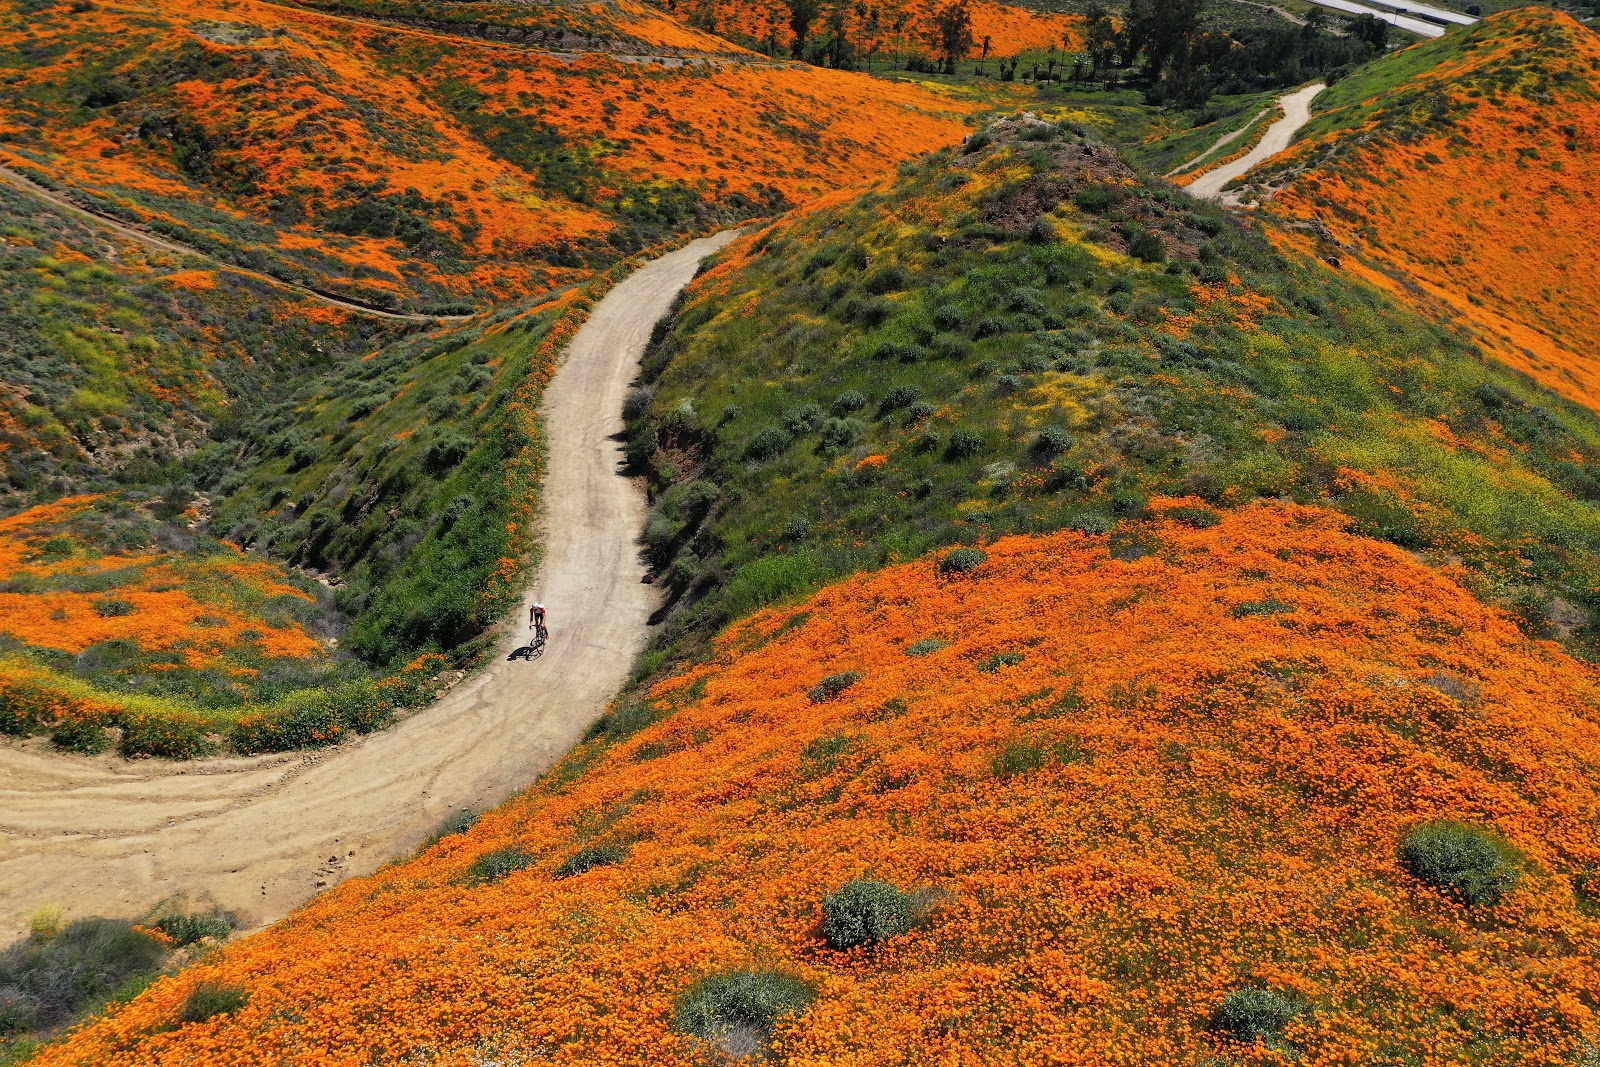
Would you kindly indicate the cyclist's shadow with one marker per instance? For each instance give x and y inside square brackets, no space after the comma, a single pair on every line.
[533,651]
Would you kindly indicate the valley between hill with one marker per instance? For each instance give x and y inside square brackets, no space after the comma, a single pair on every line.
[250,834]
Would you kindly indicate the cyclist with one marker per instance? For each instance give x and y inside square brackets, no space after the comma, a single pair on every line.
[536,620]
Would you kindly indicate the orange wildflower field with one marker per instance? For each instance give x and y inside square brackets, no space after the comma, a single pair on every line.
[1472,189]
[392,162]
[79,601]
[1125,783]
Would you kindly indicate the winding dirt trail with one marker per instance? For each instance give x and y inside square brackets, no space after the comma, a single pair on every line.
[1296,113]
[262,835]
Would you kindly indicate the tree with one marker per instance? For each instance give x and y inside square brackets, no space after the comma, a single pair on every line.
[954,40]
[1161,29]
[802,13]
[1371,29]
[985,46]
[1100,37]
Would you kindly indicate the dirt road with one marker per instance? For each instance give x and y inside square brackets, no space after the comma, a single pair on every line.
[1296,113]
[261,835]
[162,244]
[1220,142]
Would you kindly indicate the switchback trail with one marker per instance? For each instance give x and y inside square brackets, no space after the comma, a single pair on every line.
[264,834]
[1296,113]
[162,244]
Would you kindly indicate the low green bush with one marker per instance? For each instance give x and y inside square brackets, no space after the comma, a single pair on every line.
[1463,862]
[962,561]
[769,443]
[964,444]
[493,866]
[85,736]
[1260,607]
[737,1009]
[172,735]
[187,929]
[587,859]
[865,912]
[303,720]
[833,685]
[1253,1014]
[926,646]
[1022,757]
[209,1000]
[459,823]
[1000,661]
[49,978]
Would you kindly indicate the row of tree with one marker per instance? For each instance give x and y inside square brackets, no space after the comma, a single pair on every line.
[1160,45]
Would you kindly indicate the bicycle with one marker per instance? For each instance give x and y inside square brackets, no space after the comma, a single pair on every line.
[533,649]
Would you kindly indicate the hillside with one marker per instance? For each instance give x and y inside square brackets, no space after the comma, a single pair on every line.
[1024,336]
[1460,173]
[1121,794]
[116,359]
[1094,635]
[419,168]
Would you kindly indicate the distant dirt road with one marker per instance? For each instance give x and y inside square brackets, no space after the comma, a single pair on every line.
[162,244]
[1296,113]
[261,835]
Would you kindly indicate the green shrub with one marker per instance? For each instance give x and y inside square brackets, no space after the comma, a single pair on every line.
[964,444]
[1260,607]
[307,719]
[833,685]
[170,735]
[901,396]
[1465,863]
[85,736]
[1097,198]
[1022,757]
[363,706]
[803,419]
[459,823]
[849,401]
[825,749]
[1148,247]
[889,279]
[1199,518]
[737,1009]
[926,646]
[839,435]
[865,912]
[1051,442]
[187,929]
[1000,661]
[493,866]
[1253,1014]
[49,978]
[587,859]
[769,443]
[962,561]
[209,1000]
[25,709]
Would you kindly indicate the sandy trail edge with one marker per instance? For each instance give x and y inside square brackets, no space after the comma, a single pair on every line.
[1296,113]
[263,835]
